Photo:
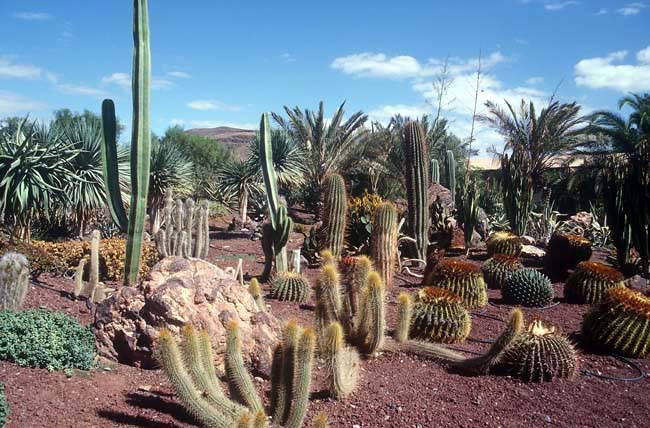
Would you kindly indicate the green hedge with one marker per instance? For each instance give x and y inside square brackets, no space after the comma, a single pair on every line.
[4,407]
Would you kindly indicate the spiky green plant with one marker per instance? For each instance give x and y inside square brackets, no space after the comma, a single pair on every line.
[517,184]
[288,158]
[383,241]
[435,171]
[341,361]
[590,281]
[334,215]
[620,323]
[462,278]
[498,268]
[415,155]
[468,211]
[528,287]
[451,173]
[439,316]
[256,291]
[564,251]
[291,287]
[504,242]
[614,174]
[242,179]
[329,303]
[14,281]
[186,229]
[140,147]
[540,355]
[637,196]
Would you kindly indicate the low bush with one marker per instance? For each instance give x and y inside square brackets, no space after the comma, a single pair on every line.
[361,210]
[40,260]
[4,407]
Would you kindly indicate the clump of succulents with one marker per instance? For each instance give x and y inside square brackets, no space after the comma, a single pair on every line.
[462,278]
[291,287]
[589,282]
[498,268]
[620,323]
[504,242]
[438,315]
[541,354]
[564,251]
[528,287]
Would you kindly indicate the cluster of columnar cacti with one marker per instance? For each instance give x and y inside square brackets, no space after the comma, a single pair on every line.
[438,315]
[451,174]
[462,278]
[14,281]
[517,184]
[415,154]
[383,241]
[620,323]
[334,215]
[564,251]
[275,233]
[498,268]
[637,197]
[503,242]
[186,230]
[589,282]
[93,289]
[291,287]
[541,354]
[435,171]
[528,287]
[256,291]
[191,372]
[613,179]
[140,147]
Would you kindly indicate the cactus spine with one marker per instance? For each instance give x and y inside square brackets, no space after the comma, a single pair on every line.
[240,381]
[79,278]
[451,174]
[370,329]
[256,291]
[404,313]
[342,362]
[189,223]
[415,151]
[384,241]
[302,379]
[435,171]
[14,281]
[140,147]
[336,207]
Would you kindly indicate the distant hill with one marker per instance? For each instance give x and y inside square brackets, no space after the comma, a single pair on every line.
[235,139]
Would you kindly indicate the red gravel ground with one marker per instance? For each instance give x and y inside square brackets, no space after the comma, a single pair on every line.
[395,390]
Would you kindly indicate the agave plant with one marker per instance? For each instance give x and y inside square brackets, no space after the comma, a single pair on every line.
[288,159]
[242,179]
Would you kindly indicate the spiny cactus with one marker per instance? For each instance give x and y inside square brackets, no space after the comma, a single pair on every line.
[589,282]
[463,278]
[620,323]
[564,251]
[383,241]
[184,234]
[326,258]
[78,278]
[334,216]
[302,379]
[291,287]
[503,242]
[14,281]
[451,174]
[517,184]
[93,276]
[404,314]
[341,361]
[435,171]
[498,268]
[528,287]
[370,329]
[541,355]
[256,291]
[637,196]
[439,316]
[613,180]
[415,153]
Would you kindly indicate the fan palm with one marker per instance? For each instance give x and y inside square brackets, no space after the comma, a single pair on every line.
[242,179]
[288,159]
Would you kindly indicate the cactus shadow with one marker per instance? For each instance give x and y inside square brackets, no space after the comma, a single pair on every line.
[134,420]
[157,401]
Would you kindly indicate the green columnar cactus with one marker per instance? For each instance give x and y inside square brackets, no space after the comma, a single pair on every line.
[589,282]
[462,278]
[503,242]
[404,315]
[517,184]
[302,379]
[355,271]
[239,379]
[415,152]
[469,211]
[14,281]
[93,275]
[451,174]
[341,361]
[140,147]
[291,287]
[244,421]
[260,421]
[637,198]
[498,268]
[528,287]
[613,176]
[435,171]
[281,224]
[162,243]
[204,228]
[329,304]
[541,355]
[282,372]
[564,251]
[370,331]
[620,323]
[383,241]
[439,316]
[189,224]
[334,216]
[256,291]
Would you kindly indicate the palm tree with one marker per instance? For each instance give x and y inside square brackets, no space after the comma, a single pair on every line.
[243,179]
[327,143]
[288,159]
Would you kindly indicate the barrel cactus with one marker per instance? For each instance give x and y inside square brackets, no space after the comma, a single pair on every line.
[528,287]
[438,315]
[498,268]
[589,282]
[503,242]
[541,354]
[620,323]
[462,278]
[290,286]
[564,251]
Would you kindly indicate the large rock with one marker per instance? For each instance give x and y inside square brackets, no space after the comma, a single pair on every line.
[178,292]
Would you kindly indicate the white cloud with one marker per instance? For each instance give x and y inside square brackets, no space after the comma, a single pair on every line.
[603,72]
[160,83]
[124,80]
[536,80]
[559,5]
[179,74]
[384,113]
[33,16]
[82,90]
[18,71]
[631,9]
[287,57]
[12,104]
[211,105]
[602,11]
[219,123]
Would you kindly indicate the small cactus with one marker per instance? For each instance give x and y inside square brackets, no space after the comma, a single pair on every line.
[334,218]
[498,268]
[383,241]
[404,314]
[371,325]
[341,361]
[291,287]
[256,291]
[439,316]
[565,251]
[462,278]
[503,242]
[589,282]
[14,281]
[528,287]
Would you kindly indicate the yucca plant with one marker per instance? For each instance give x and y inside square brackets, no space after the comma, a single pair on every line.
[242,179]
[288,159]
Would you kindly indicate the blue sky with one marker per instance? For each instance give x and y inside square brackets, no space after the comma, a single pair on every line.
[224,62]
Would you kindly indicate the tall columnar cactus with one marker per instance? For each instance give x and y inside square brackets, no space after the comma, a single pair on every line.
[637,201]
[334,216]
[383,241]
[435,171]
[517,186]
[451,174]
[276,233]
[140,147]
[469,212]
[415,154]
[613,197]
[189,224]
[14,281]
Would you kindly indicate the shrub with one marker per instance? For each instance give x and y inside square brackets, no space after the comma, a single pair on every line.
[4,407]
[45,339]
[361,211]
[40,260]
